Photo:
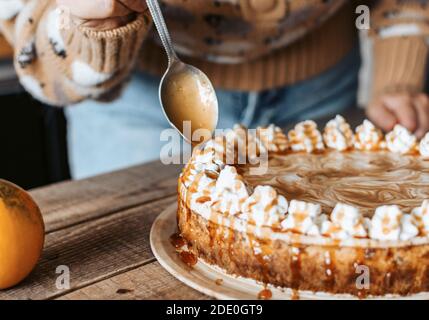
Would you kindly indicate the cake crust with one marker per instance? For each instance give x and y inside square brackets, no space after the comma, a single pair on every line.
[319,268]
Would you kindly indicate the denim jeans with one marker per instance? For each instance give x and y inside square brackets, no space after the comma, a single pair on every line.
[104,137]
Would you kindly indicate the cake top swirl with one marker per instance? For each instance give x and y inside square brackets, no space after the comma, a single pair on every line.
[340,185]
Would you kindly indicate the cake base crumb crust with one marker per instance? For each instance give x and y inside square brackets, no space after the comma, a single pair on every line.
[319,268]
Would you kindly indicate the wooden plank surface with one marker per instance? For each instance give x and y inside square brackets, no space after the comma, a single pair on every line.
[99,228]
[66,204]
[149,281]
[93,251]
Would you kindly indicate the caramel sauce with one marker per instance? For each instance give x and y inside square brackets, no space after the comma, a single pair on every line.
[188,214]
[212,229]
[389,253]
[295,267]
[362,294]
[295,261]
[189,258]
[264,268]
[388,280]
[203,199]
[217,236]
[215,232]
[330,268]
[296,238]
[360,255]
[295,295]
[191,189]
[177,240]
[212,174]
[219,282]
[221,238]
[230,240]
[336,243]
[265,294]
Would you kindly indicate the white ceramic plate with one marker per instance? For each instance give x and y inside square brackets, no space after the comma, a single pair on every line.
[215,282]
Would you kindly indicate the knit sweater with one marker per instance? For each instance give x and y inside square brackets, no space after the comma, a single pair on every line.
[240,44]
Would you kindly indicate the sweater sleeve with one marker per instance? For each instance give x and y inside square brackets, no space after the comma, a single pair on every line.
[60,62]
[400,31]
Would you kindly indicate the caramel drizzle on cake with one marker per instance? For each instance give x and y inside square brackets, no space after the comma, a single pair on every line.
[360,191]
[364,170]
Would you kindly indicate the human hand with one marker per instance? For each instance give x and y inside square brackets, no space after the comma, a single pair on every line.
[409,110]
[103,14]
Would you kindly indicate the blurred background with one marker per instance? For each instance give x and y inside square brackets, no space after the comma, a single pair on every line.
[33,149]
[33,136]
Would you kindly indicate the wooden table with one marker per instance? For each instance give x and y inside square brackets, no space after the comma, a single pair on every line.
[99,228]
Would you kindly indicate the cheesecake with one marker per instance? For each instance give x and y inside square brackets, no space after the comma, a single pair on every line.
[339,211]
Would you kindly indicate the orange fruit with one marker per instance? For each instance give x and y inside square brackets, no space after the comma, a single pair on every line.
[22,234]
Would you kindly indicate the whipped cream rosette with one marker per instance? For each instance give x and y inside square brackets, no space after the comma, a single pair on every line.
[205,161]
[338,134]
[273,138]
[202,195]
[421,217]
[400,140]
[345,222]
[368,137]
[306,137]
[302,217]
[230,192]
[264,207]
[389,223]
[409,227]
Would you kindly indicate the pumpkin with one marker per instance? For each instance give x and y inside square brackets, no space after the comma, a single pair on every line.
[22,234]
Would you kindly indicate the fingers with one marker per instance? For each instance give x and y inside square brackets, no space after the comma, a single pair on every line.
[95,9]
[402,106]
[381,116]
[411,111]
[422,107]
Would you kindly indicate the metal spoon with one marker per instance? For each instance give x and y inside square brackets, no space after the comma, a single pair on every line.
[187,96]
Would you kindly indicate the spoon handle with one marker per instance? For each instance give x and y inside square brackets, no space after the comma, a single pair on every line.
[160,25]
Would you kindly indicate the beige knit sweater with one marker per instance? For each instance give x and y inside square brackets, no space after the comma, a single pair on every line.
[240,44]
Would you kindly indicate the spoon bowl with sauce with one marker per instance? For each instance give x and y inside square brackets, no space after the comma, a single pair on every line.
[187,96]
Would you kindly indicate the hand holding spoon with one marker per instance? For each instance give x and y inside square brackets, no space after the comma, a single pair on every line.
[186,94]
